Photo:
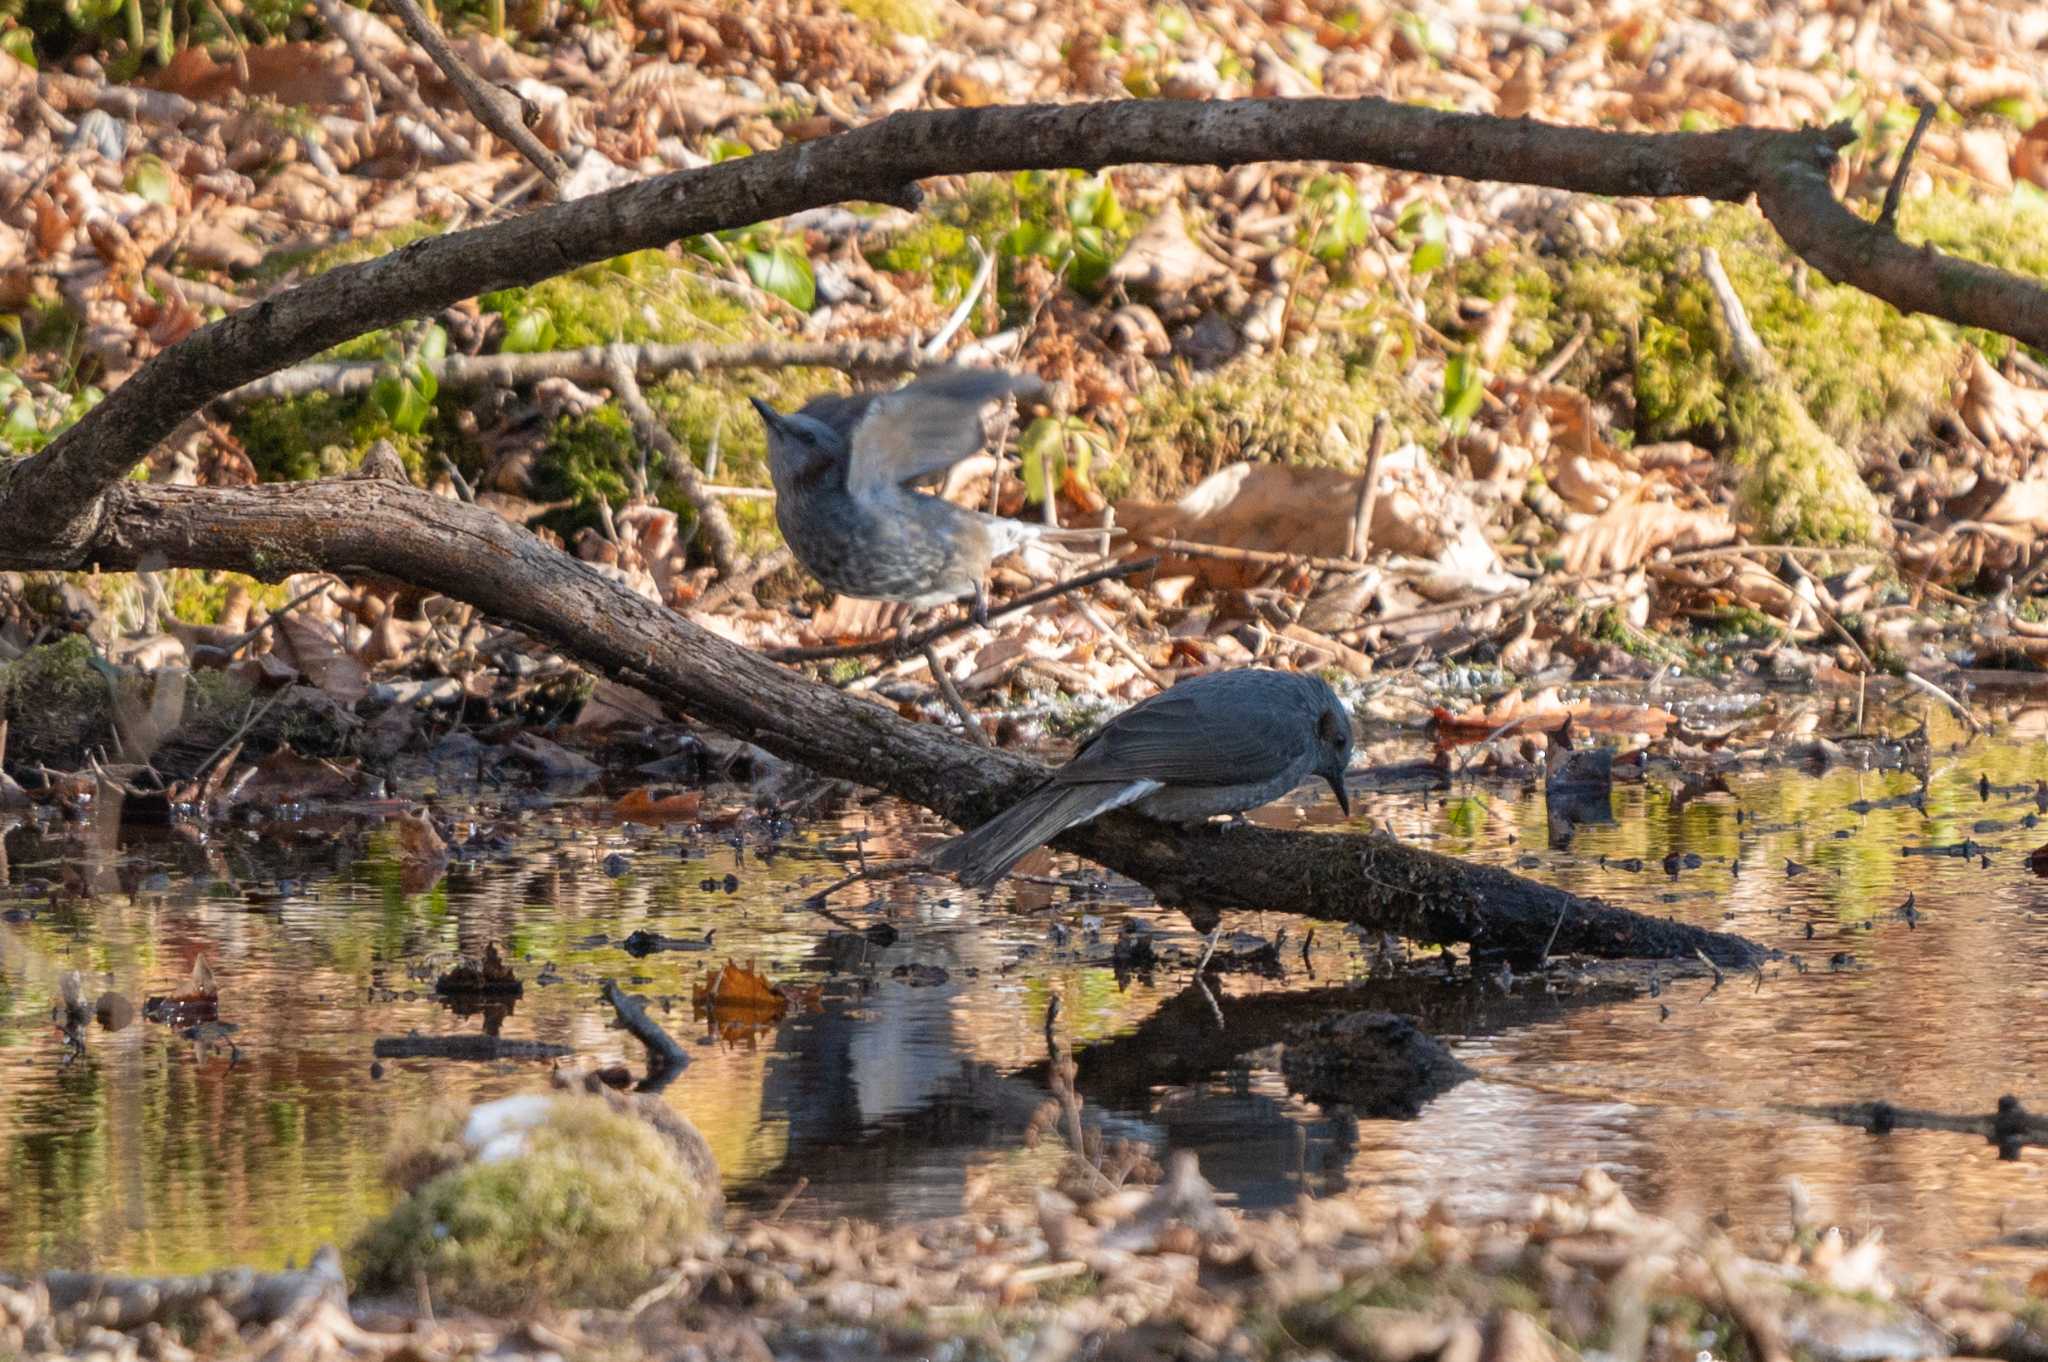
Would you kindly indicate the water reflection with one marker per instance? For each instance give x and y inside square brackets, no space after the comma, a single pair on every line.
[898,1099]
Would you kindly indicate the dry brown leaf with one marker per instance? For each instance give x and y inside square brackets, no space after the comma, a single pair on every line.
[285,775]
[422,853]
[1999,411]
[1983,152]
[1163,259]
[645,804]
[320,657]
[2030,156]
[1545,712]
[1629,532]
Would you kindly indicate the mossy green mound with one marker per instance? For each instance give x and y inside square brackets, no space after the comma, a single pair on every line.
[1854,375]
[587,1206]
[56,701]
[1312,409]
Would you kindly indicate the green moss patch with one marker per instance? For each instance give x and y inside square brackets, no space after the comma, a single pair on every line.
[1272,408]
[592,1208]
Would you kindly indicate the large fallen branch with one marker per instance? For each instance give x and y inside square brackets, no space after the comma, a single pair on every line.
[1786,169]
[374,526]
[69,506]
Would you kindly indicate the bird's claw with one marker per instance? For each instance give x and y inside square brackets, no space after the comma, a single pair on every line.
[978,611]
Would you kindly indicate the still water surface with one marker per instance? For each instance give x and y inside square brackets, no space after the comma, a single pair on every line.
[900,1100]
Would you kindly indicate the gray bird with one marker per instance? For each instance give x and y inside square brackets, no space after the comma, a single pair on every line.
[1219,743]
[843,466]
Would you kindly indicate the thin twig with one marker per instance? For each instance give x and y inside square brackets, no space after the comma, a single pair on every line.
[788,1200]
[719,535]
[936,346]
[1749,354]
[462,487]
[234,739]
[1187,548]
[1888,215]
[1115,639]
[1962,710]
[954,701]
[339,24]
[250,635]
[1561,912]
[866,647]
[1368,492]
[591,364]
[1554,366]
[767,565]
[503,112]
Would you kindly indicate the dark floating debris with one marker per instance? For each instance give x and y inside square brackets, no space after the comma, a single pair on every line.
[469,1046]
[2010,1128]
[644,943]
[490,977]
[1377,1064]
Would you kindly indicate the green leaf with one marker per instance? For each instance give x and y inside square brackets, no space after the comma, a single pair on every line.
[1094,204]
[1042,440]
[786,273]
[434,344]
[151,178]
[401,404]
[529,331]
[1429,255]
[21,428]
[1466,816]
[1464,390]
[1341,220]
[20,44]
[422,380]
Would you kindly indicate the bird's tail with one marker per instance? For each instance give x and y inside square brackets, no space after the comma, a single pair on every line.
[985,855]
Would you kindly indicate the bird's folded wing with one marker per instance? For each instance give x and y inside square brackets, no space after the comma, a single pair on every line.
[927,427]
[1187,739]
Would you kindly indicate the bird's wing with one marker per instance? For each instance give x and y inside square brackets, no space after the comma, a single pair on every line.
[1183,737]
[927,427]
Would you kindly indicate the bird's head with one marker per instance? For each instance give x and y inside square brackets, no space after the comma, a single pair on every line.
[797,443]
[1333,746]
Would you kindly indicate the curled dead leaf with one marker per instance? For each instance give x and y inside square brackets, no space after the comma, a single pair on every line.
[1628,532]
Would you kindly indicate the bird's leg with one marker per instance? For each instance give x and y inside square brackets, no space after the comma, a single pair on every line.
[978,612]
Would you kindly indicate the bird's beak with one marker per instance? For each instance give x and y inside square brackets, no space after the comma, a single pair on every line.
[770,417]
[1343,795]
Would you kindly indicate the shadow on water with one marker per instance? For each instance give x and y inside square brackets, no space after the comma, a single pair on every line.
[908,1090]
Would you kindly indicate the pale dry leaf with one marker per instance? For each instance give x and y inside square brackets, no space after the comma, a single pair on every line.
[1628,532]
[320,657]
[1984,153]
[1999,411]
[1163,259]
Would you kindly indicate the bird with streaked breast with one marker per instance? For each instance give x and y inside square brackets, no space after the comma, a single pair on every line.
[843,469]
[1220,743]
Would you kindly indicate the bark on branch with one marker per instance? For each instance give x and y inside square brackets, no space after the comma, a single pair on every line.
[882,161]
[473,554]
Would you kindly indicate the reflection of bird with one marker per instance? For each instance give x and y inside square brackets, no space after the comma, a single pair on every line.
[842,468]
[1220,743]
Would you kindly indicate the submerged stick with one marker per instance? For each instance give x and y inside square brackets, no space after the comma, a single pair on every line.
[665,1058]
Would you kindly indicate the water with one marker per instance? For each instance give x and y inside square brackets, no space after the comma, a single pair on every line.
[150,1153]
